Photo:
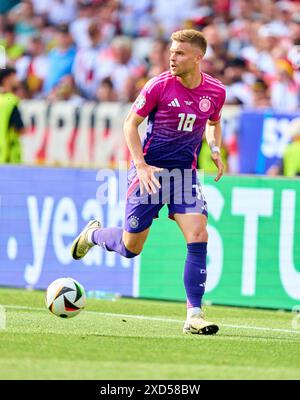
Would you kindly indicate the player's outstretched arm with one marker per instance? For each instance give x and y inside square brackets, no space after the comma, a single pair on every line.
[145,172]
[213,135]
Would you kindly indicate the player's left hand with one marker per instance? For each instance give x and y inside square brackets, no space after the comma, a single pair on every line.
[216,157]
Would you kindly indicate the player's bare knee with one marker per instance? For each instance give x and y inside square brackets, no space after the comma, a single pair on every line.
[133,245]
[134,242]
[134,248]
[198,236]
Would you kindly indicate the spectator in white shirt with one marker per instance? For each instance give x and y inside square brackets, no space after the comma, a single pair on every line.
[79,27]
[62,11]
[86,65]
[284,89]
[121,67]
[33,67]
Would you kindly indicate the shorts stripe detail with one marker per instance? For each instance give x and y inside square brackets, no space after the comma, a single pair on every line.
[133,186]
[194,163]
[147,146]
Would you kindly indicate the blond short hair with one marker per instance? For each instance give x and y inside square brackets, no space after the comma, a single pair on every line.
[191,36]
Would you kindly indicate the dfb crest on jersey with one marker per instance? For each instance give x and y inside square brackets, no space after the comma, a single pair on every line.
[204,104]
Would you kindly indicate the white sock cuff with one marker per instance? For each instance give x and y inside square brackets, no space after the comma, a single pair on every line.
[89,236]
[193,311]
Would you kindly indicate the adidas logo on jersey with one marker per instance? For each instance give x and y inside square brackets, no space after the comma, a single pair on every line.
[174,103]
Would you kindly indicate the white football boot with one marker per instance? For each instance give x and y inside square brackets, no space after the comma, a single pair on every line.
[81,244]
[198,325]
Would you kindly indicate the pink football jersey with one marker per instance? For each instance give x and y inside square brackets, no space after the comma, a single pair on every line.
[177,118]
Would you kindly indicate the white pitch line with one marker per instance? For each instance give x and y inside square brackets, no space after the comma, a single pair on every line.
[257,328]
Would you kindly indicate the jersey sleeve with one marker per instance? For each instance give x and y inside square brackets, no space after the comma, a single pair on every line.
[147,99]
[216,116]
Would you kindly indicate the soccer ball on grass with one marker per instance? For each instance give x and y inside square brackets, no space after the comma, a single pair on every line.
[65,297]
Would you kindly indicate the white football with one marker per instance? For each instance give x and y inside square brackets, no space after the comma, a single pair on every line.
[65,297]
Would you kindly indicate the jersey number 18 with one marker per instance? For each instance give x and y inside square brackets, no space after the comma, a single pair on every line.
[186,122]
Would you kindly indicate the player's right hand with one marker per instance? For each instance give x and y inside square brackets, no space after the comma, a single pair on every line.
[148,182]
[216,157]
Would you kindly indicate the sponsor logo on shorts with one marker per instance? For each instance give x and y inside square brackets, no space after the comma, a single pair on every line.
[140,102]
[204,104]
[134,222]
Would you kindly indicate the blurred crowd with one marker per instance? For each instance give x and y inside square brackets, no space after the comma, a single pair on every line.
[105,50]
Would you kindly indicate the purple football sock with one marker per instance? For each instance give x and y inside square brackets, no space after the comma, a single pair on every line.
[195,273]
[111,240]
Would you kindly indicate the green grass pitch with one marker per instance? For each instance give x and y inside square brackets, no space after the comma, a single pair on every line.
[142,339]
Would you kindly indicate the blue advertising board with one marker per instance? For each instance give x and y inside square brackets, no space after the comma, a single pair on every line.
[263,136]
[41,212]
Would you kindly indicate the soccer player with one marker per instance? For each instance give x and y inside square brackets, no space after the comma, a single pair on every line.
[181,104]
